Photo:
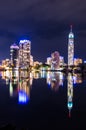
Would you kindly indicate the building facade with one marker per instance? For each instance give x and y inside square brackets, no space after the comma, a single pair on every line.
[24,53]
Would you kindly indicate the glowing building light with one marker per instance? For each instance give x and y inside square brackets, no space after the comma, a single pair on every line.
[14,49]
[22,97]
[23,41]
[70,105]
[11,89]
[70,48]
[85,61]
[24,53]
[70,93]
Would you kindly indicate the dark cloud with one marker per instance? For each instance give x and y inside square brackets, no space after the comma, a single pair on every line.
[45,22]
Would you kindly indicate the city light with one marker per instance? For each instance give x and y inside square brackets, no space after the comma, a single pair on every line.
[71,48]
[70,105]
[24,41]
[22,97]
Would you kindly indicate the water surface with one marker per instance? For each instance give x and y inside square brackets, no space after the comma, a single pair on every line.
[45,100]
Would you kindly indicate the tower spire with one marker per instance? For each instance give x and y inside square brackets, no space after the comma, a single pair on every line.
[71,28]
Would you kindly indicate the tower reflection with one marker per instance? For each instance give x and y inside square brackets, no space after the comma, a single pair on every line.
[70,93]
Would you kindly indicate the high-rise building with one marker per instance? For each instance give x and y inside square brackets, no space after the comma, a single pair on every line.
[14,55]
[70,48]
[24,53]
[55,60]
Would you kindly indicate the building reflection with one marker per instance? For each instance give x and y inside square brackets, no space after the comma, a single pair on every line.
[20,83]
[36,75]
[54,80]
[23,90]
[41,74]
[24,86]
[77,78]
[10,75]
[13,89]
[70,93]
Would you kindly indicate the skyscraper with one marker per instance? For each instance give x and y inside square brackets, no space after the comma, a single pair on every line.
[14,55]
[24,53]
[70,47]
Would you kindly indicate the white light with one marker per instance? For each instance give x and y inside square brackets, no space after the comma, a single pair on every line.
[23,41]
[71,35]
[84,61]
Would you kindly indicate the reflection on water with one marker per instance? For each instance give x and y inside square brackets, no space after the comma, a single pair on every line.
[70,93]
[54,80]
[77,78]
[23,90]
[20,83]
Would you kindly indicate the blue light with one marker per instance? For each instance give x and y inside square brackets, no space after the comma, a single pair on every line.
[49,84]
[24,41]
[85,61]
[70,105]
[23,97]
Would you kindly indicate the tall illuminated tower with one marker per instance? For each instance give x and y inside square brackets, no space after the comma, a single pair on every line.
[70,47]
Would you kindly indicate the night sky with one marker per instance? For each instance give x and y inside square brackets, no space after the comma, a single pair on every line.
[46,23]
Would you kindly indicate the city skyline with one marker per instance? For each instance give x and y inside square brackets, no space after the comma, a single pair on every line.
[45,23]
[70,52]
